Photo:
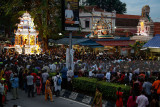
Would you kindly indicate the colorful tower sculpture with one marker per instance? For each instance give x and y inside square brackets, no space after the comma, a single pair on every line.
[101,28]
[145,26]
[26,36]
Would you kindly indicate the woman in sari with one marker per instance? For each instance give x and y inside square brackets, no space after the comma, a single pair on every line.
[97,99]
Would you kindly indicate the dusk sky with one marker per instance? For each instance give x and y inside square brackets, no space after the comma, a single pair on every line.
[134,7]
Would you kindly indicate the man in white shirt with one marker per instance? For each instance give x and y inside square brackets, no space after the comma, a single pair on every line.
[70,75]
[45,75]
[57,84]
[30,84]
[28,66]
[142,100]
[46,68]
[130,77]
[108,76]
[91,73]
[52,67]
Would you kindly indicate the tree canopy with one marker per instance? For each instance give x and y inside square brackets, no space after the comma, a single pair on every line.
[46,14]
[109,5]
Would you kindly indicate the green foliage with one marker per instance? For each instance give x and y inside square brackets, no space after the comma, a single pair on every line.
[109,5]
[46,14]
[88,85]
[137,46]
[85,84]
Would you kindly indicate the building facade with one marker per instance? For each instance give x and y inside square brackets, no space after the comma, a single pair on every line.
[126,25]
[92,14]
[82,2]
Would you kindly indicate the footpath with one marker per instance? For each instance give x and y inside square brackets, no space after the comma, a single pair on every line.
[83,98]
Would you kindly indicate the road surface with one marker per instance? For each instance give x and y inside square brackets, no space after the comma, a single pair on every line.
[39,101]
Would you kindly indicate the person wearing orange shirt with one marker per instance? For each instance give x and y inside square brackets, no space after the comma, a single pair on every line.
[48,89]
[156,86]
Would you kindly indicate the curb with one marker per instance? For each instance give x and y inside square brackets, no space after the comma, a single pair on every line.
[83,98]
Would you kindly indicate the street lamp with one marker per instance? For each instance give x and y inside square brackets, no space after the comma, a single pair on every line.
[60,34]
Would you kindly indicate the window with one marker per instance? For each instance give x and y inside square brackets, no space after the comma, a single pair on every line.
[87,24]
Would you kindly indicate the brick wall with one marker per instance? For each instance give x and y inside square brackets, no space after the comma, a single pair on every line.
[156,28]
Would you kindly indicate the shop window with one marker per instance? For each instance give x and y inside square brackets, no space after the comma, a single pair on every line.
[87,24]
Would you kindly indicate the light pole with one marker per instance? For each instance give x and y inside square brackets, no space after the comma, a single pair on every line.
[70,48]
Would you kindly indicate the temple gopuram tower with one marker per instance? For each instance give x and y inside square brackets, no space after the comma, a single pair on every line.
[26,36]
[145,26]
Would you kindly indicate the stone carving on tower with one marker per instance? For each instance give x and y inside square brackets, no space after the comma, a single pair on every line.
[145,26]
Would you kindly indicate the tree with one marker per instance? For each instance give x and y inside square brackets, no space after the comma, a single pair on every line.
[47,18]
[45,13]
[109,5]
[137,46]
[6,22]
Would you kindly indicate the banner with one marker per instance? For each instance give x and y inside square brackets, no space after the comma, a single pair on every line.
[70,12]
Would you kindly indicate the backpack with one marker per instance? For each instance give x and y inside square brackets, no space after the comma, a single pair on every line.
[59,81]
[38,82]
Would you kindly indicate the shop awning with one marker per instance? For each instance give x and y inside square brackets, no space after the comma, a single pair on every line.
[114,39]
[153,43]
[65,41]
[91,43]
[116,43]
[98,46]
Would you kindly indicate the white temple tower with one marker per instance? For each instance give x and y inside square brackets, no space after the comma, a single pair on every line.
[145,26]
[26,38]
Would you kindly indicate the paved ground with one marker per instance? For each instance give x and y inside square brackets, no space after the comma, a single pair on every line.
[38,101]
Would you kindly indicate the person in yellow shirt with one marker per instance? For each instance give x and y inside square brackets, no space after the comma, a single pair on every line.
[48,89]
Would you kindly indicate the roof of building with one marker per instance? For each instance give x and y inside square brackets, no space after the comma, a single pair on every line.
[116,43]
[115,39]
[90,8]
[77,34]
[65,41]
[154,42]
[89,43]
[126,16]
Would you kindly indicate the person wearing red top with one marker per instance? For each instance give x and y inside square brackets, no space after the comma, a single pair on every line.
[7,76]
[34,80]
[16,63]
[119,102]
[142,75]
[132,101]
[38,84]
[34,75]
[122,78]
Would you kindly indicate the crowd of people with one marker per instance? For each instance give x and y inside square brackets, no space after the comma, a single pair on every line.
[31,73]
